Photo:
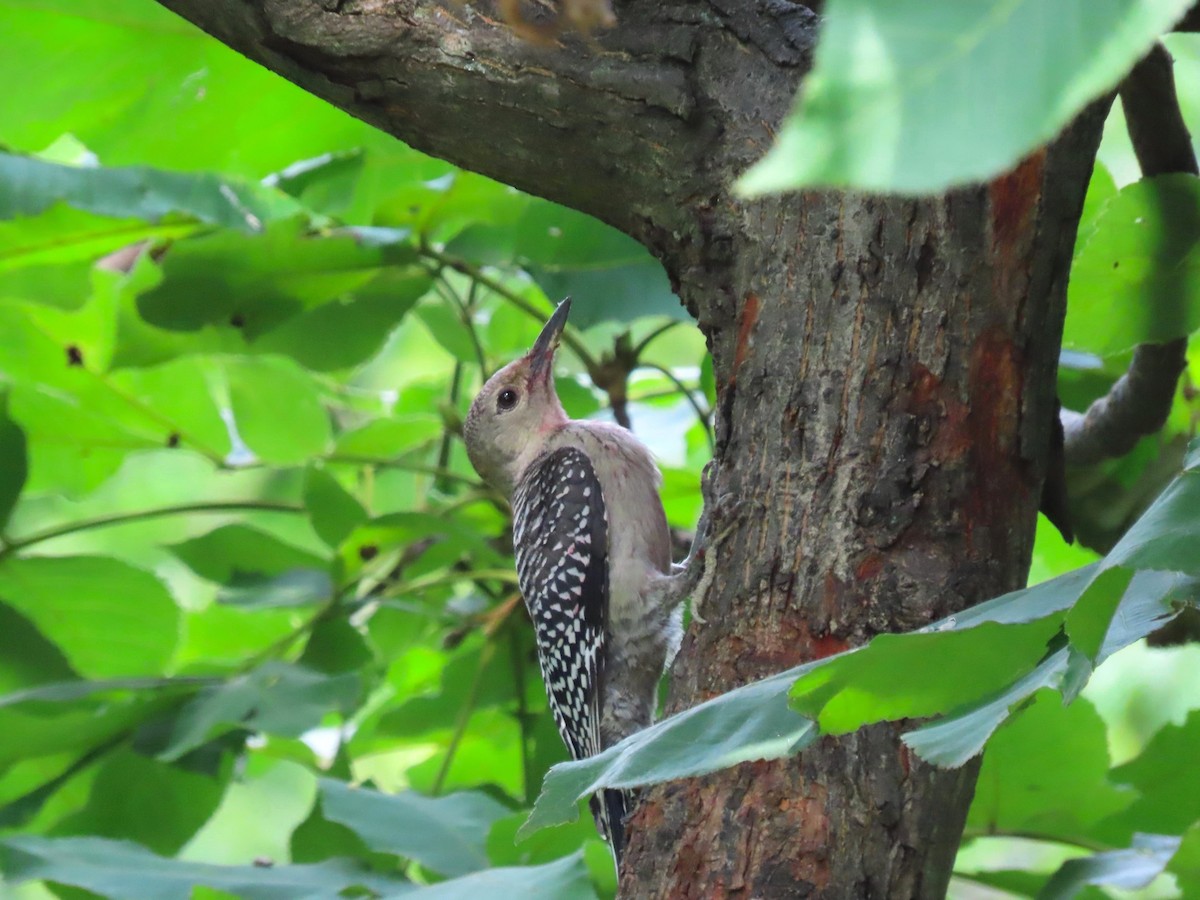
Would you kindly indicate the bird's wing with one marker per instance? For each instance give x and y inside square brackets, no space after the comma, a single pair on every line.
[560,532]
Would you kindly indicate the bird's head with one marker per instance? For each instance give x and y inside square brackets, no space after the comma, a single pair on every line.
[516,410]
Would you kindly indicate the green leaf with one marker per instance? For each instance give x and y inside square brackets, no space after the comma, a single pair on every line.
[277,409]
[334,512]
[276,698]
[446,326]
[951,741]
[1168,533]
[254,283]
[900,675]
[387,438]
[108,617]
[296,587]
[26,657]
[120,869]
[235,552]
[1129,869]
[1164,776]
[1046,773]
[565,879]
[1088,621]
[13,464]
[1185,864]
[446,834]
[139,192]
[748,723]
[1147,602]
[139,799]
[905,96]
[608,275]
[1136,276]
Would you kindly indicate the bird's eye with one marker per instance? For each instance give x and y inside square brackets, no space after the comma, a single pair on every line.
[507,399]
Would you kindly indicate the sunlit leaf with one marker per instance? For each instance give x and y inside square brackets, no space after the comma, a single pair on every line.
[905,96]
[1136,276]
[108,617]
[139,192]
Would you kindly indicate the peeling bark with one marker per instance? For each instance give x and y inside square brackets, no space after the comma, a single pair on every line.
[885,373]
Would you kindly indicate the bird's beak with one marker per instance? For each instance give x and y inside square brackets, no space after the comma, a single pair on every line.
[541,357]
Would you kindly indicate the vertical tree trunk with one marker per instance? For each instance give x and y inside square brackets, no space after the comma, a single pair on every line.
[885,371]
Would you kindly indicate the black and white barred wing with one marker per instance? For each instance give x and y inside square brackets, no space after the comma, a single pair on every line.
[560,534]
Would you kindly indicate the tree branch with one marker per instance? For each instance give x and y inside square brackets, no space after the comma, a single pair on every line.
[1140,400]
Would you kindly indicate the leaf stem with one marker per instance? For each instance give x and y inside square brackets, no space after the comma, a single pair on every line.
[143,514]
[496,287]
[464,716]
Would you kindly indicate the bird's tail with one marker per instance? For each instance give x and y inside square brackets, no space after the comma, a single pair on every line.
[610,809]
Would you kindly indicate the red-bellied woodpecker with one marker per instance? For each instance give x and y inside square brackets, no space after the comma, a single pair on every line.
[593,556]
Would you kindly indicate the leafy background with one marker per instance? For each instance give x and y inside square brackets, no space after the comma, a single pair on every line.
[259,635]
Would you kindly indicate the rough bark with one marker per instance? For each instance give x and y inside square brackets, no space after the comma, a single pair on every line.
[885,371]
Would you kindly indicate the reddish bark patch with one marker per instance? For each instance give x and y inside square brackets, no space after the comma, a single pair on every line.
[869,567]
[1014,200]
[747,319]
[996,380]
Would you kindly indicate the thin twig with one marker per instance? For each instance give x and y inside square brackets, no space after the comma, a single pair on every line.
[21,543]
[701,413]
[496,287]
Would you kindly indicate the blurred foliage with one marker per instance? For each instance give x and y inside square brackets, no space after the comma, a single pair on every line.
[259,635]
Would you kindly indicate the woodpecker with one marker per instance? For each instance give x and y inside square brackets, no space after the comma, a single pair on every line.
[593,556]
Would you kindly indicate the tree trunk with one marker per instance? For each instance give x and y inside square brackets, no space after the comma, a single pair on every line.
[885,373]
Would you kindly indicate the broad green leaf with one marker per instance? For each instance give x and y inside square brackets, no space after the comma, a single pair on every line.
[446,326]
[565,879]
[257,282]
[277,409]
[747,723]
[915,96]
[130,68]
[276,698]
[35,728]
[140,799]
[1088,621]
[900,676]
[336,646]
[361,322]
[386,438]
[608,275]
[139,192]
[333,510]
[1046,773]
[47,257]
[234,552]
[295,587]
[1168,533]
[121,869]
[1129,869]
[1185,864]
[952,741]
[1164,776]
[445,834]
[26,657]
[108,617]
[1136,276]
[13,461]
